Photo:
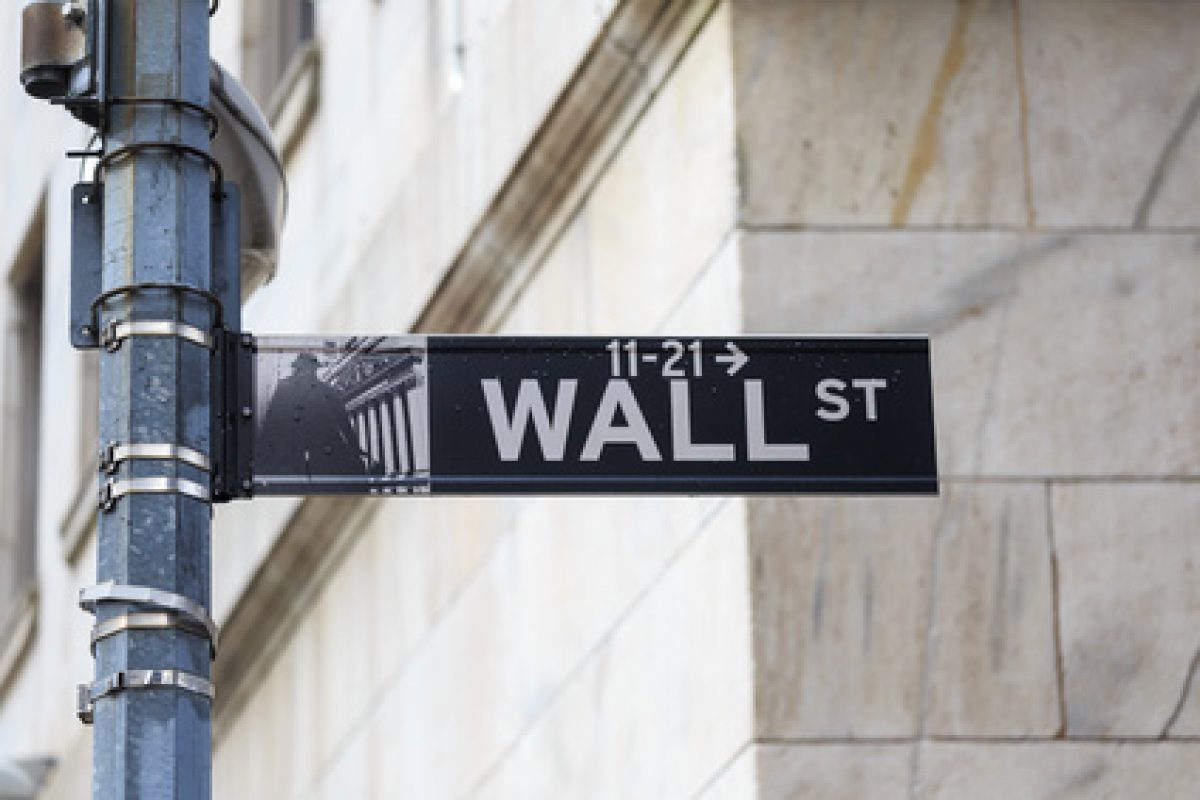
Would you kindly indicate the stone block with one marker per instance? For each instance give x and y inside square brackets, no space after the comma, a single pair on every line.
[1052,355]
[417,556]
[343,621]
[737,780]
[834,772]
[534,50]
[1185,719]
[250,529]
[663,701]
[65,459]
[841,604]
[301,680]
[841,609]
[1128,560]
[351,774]
[259,759]
[556,300]
[1058,771]
[993,669]
[1112,97]
[1174,203]
[390,587]
[711,305]
[71,777]
[294,300]
[33,144]
[878,113]
[661,211]
[400,42]
[513,636]
[393,244]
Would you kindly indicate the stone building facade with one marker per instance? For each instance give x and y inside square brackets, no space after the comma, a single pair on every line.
[1018,178]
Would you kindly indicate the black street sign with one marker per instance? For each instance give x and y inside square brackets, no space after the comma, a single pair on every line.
[566,415]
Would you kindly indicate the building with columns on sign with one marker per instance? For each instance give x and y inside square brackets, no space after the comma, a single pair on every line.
[382,399]
[1020,179]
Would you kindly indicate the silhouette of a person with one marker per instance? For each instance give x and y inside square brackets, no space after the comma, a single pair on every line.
[306,430]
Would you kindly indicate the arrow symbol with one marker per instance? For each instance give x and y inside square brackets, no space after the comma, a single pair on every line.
[736,358]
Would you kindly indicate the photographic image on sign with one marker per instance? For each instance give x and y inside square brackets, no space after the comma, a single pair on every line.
[586,415]
[347,415]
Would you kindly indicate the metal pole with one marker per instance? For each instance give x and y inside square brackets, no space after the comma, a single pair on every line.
[154,740]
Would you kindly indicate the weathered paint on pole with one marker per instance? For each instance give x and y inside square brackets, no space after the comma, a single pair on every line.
[156,742]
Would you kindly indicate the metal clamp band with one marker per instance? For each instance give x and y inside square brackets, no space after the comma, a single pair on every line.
[210,118]
[113,592]
[112,491]
[178,288]
[112,456]
[171,148]
[151,620]
[146,620]
[88,694]
[116,332]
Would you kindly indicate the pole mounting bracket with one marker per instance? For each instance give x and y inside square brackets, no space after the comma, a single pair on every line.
[88,693]
[234,421]
[147,597]
[153,620]
[114,454]
[112,491]
[167,286]
[170,148]
[117,331]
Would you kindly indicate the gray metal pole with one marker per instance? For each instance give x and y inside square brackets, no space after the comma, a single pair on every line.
[154,741]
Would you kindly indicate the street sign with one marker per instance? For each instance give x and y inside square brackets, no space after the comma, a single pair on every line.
[574,415]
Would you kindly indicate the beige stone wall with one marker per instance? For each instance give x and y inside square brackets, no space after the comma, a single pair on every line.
[36,702]
[1019,180]
[543,647]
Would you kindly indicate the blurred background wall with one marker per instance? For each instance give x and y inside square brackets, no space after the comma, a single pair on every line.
[1018,178]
